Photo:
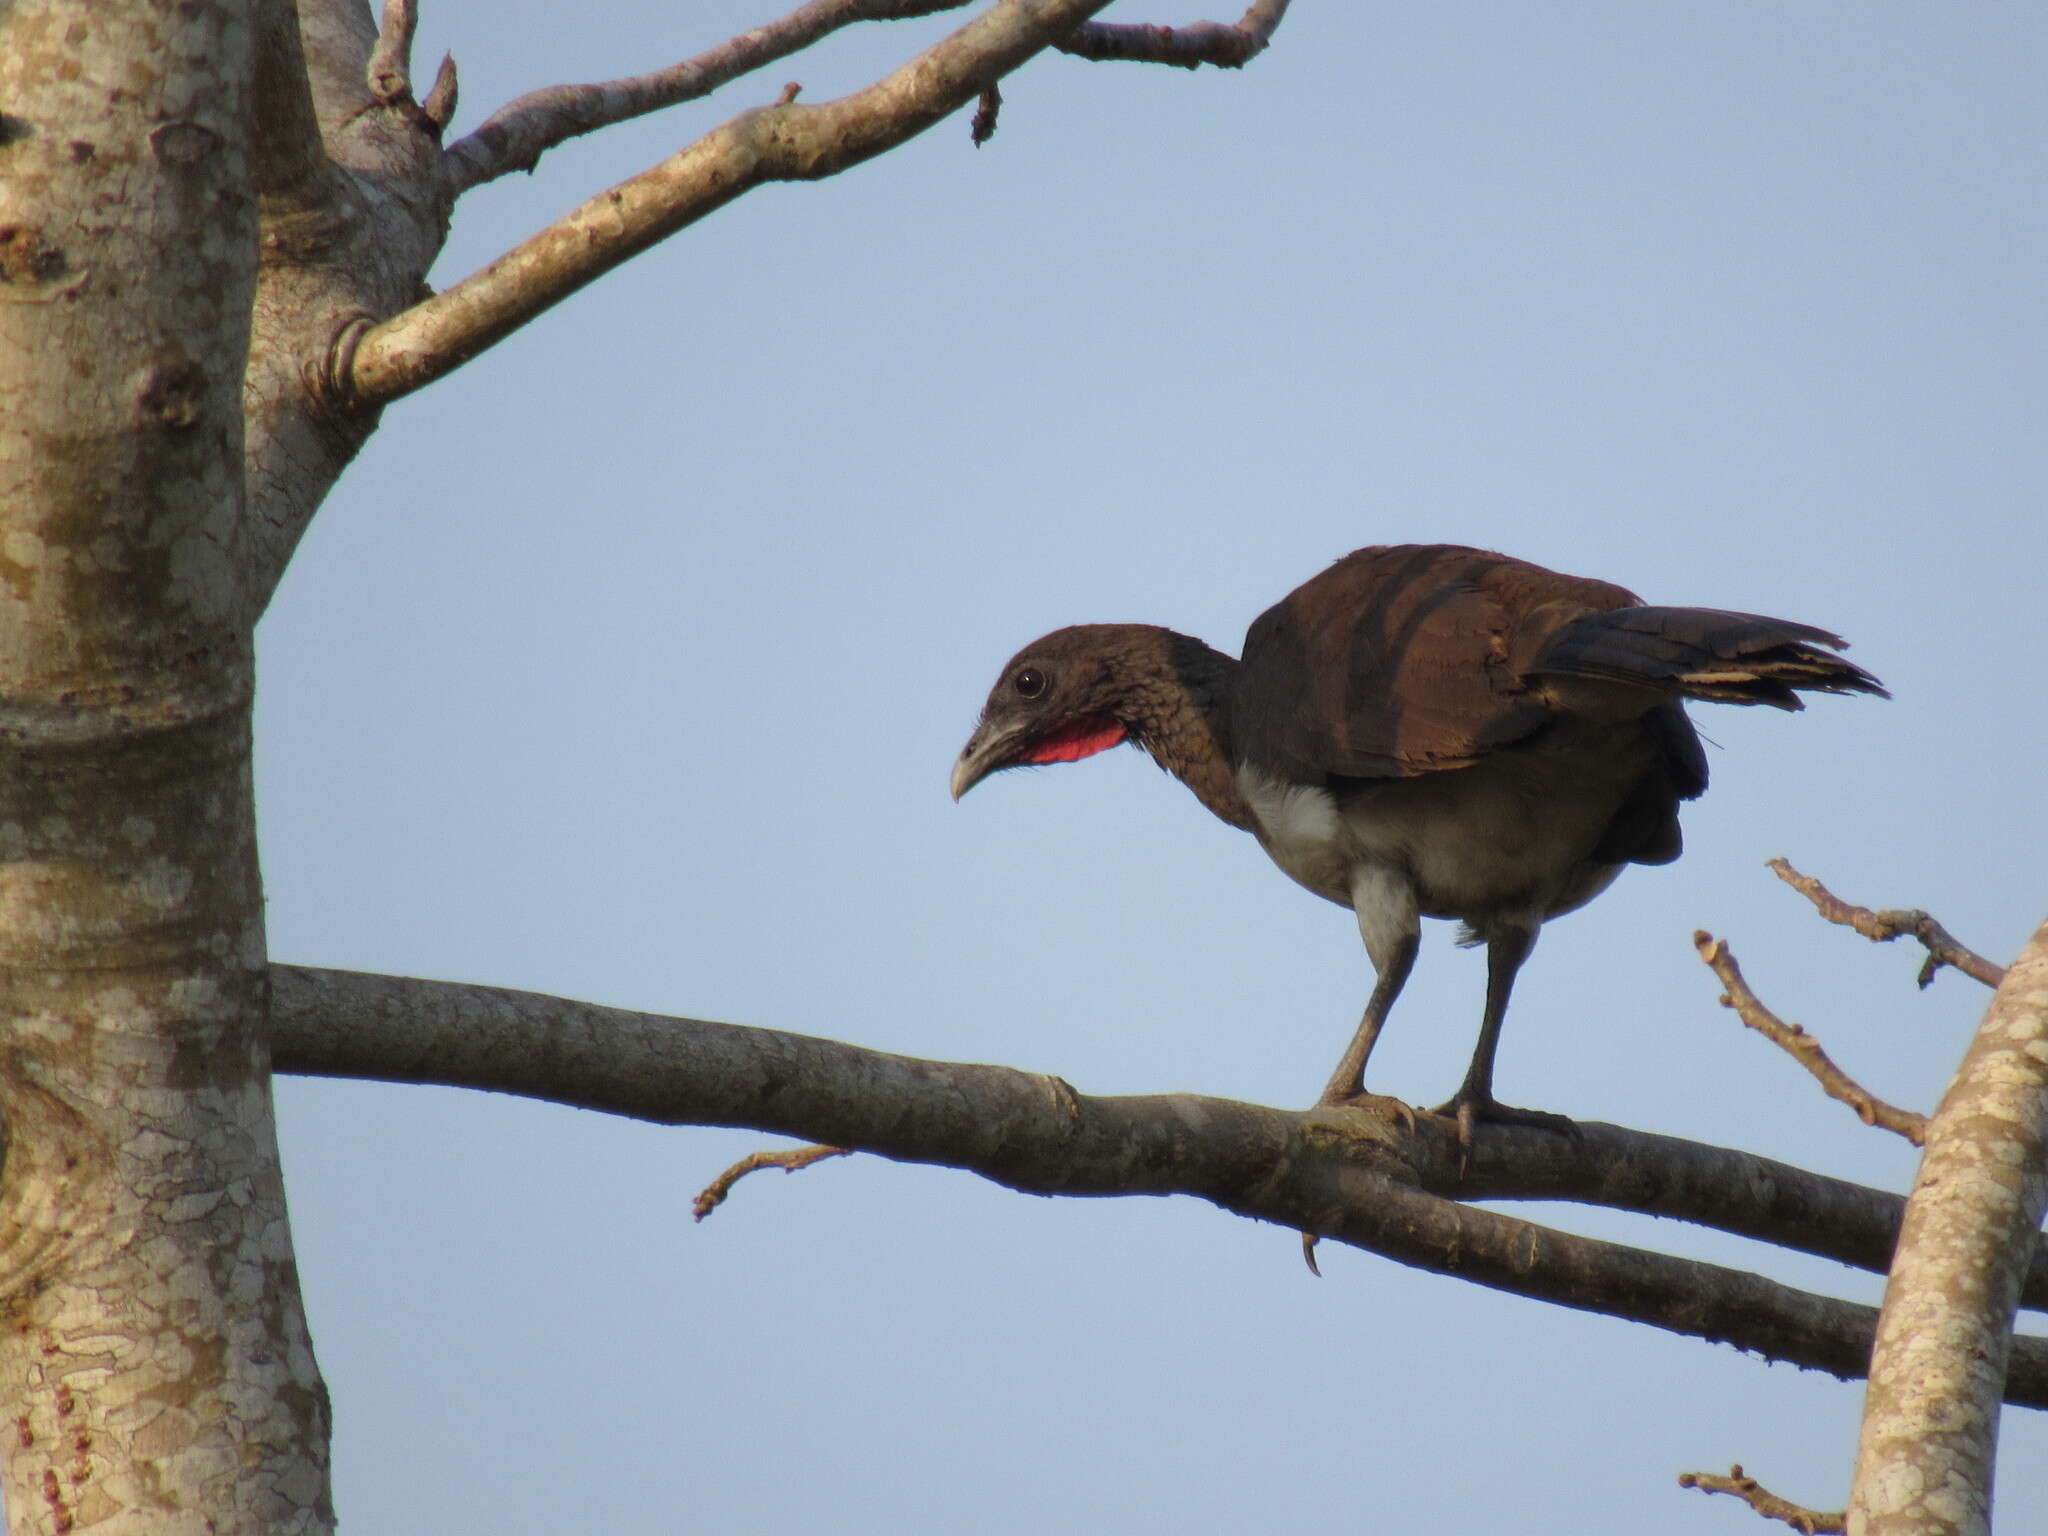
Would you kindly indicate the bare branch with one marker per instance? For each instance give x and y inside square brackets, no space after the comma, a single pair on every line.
[1766,1503]
[1376,1212]
[712,1196]
[785,142]
[517,135]
[1802,1047]
[1185,47]
[1341,1173]
[1896,922]
[1718,1187]
[1930,1418]
[341,1024]
[390,74]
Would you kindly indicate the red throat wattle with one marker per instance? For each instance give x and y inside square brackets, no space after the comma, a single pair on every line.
[1074,741]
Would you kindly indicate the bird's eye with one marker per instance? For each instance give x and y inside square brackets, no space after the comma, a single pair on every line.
[1029,683]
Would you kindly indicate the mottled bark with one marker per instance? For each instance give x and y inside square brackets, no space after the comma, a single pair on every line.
[1944,1346]
[155,1369]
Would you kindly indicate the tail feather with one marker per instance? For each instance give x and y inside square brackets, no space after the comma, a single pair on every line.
[1702,653]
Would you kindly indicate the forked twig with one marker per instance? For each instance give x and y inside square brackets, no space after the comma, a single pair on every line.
[1803,1047]
[1943,948]
[714,1193]
[1813,1522]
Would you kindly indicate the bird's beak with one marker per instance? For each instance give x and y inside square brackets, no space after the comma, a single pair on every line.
[987,750]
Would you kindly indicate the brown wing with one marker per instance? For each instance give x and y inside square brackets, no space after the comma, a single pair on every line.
[1402,660]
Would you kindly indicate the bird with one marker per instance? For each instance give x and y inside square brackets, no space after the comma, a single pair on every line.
[1423,730]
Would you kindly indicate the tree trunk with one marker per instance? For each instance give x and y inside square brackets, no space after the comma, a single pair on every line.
[1944,1340]
[155,1371]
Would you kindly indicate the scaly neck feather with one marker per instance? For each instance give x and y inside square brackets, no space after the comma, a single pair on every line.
[1175,700]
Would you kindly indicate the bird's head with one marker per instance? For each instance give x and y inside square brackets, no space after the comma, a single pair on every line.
[1060,699]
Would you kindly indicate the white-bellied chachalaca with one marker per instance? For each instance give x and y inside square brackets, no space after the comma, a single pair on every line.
[1423,730]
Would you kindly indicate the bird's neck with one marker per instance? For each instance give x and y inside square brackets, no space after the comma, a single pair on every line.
[1176,704]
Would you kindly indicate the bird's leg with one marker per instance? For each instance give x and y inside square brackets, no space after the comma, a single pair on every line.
[1506,949]
[1395,959]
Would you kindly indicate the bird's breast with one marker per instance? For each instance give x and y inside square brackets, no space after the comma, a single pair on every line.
[1302,831]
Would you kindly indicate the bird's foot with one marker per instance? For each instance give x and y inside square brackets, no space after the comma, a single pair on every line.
[1468,1109]
[1381,1104]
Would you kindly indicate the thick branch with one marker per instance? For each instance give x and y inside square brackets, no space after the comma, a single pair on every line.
[1718,1187]
[1802,1047]
[343,1024]
[1897,922]
[1930,1419]
[517,135]
[1185,47]
[1343,1174]
[786,142]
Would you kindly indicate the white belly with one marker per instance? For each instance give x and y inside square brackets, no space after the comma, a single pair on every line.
[1472,843]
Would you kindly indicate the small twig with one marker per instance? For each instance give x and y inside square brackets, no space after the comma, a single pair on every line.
[1803,1047]
[1893,923]
[789,1162]
[790,92]
[439,106]
[983,128]
[1185,47]
[390,71]
[1813,1522]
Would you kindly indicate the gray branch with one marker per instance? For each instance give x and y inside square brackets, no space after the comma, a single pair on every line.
[1345,1174]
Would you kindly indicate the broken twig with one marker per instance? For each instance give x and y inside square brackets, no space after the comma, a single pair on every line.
[790,1161]
[1812,1522]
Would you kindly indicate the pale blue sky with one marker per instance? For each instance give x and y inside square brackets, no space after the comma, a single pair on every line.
[629,663]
